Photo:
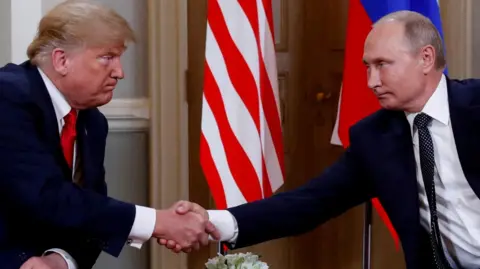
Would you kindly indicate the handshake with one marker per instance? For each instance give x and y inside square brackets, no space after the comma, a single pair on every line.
[183,227]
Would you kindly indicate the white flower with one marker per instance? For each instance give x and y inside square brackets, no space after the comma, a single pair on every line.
[236,261]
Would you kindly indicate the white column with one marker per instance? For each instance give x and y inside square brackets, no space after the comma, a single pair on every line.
[20,20]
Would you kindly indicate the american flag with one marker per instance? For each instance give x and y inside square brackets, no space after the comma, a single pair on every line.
[241,148]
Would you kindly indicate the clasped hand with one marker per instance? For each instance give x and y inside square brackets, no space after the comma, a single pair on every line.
[183,227]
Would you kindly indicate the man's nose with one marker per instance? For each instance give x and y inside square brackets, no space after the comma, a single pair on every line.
[374,78]
[118,71]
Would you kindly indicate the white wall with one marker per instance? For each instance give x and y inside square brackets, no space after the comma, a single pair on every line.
[5,31]
[18,25]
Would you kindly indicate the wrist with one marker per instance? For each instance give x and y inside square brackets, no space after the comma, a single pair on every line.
[158,231]
[60,259]
[56,260]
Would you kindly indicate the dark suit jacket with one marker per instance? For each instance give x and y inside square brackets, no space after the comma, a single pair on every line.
[379,163]
[40,207]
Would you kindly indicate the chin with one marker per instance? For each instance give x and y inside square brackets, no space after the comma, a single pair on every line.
[106,99]
[101,101]
[389,104]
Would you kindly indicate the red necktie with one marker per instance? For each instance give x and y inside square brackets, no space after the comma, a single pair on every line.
[69,135]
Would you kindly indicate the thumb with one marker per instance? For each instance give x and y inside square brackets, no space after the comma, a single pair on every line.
[183,207]
[212,230]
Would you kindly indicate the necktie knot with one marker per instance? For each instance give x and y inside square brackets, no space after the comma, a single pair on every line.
[422,120]
[71,117]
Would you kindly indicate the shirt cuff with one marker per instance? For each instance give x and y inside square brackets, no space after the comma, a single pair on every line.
[143,225]
[225,223]
[71,263]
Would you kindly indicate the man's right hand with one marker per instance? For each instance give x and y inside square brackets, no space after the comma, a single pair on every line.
[184,231]
[52,261]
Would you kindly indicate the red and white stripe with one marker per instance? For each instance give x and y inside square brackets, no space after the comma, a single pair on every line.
[241,148]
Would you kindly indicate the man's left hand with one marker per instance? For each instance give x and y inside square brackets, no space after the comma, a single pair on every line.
[51,261]
[182,208]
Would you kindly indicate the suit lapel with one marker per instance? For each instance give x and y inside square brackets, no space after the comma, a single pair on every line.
[399,181]
[466,130]
[50,123]
[83,148]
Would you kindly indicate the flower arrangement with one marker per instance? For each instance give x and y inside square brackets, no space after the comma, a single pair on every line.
[236,261]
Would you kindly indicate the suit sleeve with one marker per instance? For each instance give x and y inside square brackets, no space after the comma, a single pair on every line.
[340,187]
[32,183]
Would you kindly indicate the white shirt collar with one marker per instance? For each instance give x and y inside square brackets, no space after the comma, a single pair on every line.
[60,104]
[437,106]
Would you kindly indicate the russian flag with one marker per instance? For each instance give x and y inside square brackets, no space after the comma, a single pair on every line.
[356,99]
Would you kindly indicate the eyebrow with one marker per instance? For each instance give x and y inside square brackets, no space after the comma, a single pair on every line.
[376,60]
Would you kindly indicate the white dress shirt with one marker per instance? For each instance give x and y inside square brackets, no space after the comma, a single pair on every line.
[457,205]
[145,217]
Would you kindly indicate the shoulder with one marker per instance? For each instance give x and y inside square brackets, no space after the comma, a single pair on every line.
[14,84]
[377,122]
[464,84]
[97,119]
[469,88]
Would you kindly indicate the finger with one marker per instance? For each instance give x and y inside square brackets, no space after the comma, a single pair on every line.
[212,230]
[187,250]
[196,246]
[165,243]
[171,244]
[200,210]
[26,265]
[183,207]
[204,239]
[29,264]
[177,248]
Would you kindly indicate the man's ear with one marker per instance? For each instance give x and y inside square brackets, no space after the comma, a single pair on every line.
[427,59]
[60,61]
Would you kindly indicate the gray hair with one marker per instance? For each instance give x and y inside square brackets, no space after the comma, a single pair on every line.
[419,32]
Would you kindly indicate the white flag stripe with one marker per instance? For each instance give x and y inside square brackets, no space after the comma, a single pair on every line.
[267,45]
[255,142]
[274,170]
[239,118]
[242,34]
[211,133]
[335,140]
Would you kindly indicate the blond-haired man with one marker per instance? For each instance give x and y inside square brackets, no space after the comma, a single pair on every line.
[55,212]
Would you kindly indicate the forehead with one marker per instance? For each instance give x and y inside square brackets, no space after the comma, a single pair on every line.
[385,40]
[114,48]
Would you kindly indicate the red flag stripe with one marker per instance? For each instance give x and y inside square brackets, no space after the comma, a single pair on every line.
[238,70]
[267,188]
[350,110]
[214,181]
[267,9]
[355,73]
[239,164]
[240,119]
[211,132]
[270,107]
[268,74]
[241,140]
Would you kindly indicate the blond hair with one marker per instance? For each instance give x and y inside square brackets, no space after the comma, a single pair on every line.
[419,32]
[78,23]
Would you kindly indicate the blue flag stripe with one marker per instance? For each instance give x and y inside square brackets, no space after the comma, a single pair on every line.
[376,9]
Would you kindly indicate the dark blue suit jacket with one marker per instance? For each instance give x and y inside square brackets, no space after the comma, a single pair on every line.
[379,163]
[40,207]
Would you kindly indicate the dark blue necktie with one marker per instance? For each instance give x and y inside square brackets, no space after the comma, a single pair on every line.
[427,163]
